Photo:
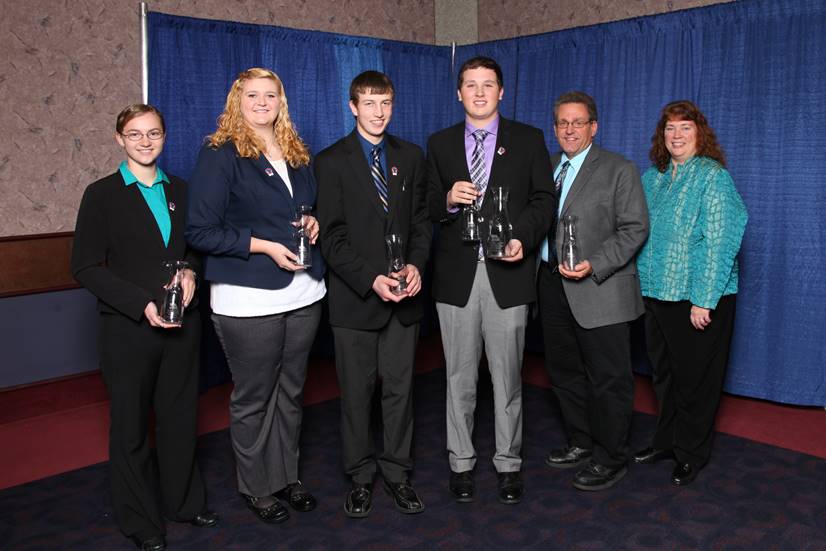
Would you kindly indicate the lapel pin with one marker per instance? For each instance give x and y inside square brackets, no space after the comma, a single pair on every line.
[172,206]
[269,171]
[394,171]
[500,151]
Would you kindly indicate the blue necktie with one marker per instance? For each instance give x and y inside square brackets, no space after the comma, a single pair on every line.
[378,177]
[560,179]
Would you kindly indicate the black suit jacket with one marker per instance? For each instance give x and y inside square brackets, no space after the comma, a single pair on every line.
[118,249]
[353,225]
[521,163]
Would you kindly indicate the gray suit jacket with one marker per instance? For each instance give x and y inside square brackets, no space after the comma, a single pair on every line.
[612,221]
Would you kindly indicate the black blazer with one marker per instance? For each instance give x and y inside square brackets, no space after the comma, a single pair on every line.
[353,226]
[521,163]
[232,199]
[118,249]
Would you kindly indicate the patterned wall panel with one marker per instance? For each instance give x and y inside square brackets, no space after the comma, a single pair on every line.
[509,18]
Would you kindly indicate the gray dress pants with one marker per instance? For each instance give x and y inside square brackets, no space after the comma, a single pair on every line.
[267,356]
[467,330]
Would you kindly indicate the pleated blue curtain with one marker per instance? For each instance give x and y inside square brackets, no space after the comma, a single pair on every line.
[756,68]
[764,88]
[193,62]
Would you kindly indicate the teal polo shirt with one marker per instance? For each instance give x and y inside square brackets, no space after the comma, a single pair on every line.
[154,196]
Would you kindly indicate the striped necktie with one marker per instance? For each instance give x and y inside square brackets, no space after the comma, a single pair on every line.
[478,174]
[378,176]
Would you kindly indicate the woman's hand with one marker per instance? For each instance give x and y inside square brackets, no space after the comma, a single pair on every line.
[311,227]
[283,257]
[700,317]
[154,318]
[189,286]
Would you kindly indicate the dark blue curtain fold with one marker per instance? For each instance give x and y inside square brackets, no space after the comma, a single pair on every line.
[756,68]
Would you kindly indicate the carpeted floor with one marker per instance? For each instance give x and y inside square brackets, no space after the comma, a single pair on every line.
[752,496]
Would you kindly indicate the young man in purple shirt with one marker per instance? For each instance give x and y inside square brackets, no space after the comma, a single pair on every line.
[483,303]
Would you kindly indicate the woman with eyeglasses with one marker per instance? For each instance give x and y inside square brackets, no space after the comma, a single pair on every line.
[251,176]
[689,279]
[129,225]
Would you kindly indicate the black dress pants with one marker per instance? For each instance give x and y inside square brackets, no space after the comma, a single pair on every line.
[361,357]
[590,370]
[689,370]
[147,368]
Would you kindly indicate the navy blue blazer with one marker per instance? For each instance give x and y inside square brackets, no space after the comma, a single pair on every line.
[232,199]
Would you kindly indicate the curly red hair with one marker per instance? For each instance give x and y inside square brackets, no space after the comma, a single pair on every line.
[684,110]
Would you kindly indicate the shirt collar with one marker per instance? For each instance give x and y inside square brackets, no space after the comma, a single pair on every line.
[368,146]
[491,128]
[578,159]
[129,178]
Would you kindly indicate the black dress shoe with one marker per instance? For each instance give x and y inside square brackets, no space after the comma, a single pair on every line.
[510,488]
[568,458]
[684,474]
[598,477]
[404,497]
[359,501]
[205,519]
[299,499]
[461,486]
[273,513]
[154,543]
[652,455]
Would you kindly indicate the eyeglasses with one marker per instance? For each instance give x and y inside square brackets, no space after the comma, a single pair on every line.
[579,125]
[136,136]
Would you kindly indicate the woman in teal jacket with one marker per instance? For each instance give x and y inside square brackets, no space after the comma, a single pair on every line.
[688,275]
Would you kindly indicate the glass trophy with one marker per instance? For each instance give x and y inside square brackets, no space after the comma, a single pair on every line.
[395,261]
[172,309]
[499,227]
[303,248]
[570,249]
[470,223]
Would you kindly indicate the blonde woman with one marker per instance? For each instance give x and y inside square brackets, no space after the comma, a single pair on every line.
[250,176]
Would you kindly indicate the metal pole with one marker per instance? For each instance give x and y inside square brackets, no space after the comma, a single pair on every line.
[144,53]
[452,56]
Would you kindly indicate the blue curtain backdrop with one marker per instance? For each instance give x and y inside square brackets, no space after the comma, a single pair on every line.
[756,68]
[193,62]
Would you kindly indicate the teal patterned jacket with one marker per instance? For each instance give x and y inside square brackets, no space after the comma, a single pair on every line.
[697,223]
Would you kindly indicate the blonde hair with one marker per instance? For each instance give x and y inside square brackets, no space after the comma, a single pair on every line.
[231,124]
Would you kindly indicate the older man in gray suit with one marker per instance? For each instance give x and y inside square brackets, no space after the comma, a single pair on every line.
[587,309]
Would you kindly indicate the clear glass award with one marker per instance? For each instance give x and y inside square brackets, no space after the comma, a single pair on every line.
[570,249]
[499,227]
[395,261]
[302,246]
[172,309]
[470,223]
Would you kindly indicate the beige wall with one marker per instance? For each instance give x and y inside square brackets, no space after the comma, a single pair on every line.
[69,67]
[509,18]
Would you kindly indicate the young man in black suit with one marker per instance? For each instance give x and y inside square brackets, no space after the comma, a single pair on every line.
[483,303]
[370,185]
